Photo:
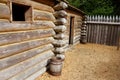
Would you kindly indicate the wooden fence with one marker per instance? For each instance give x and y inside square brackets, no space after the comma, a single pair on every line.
[103,29]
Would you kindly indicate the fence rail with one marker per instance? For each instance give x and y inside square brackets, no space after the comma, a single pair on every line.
[103,29]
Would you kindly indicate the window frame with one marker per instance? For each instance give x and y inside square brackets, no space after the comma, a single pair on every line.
[19,3]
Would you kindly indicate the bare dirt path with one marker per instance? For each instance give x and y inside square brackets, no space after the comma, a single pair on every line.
[89,62]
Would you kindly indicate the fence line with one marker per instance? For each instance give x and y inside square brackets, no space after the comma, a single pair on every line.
[103,29]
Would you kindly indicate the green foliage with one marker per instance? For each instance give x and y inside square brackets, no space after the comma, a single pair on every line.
[93,7]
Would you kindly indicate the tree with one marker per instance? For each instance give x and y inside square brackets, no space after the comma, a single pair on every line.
[93,7]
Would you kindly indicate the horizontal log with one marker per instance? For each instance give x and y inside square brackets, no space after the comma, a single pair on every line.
[59,50]
[42,15]
[60,14]
[20,67]
[59,36]
[77,36]
[60,28]
[15,37]
[12,60]
[5,26]
[34,76]
[61,21]
[28,72]
[35,5]
[83,34]
[3,1]
[4,12]
[20,47]
[4,20]
[60,6]
[59,43]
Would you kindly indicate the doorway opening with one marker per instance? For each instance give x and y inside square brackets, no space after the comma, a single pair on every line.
[71,30]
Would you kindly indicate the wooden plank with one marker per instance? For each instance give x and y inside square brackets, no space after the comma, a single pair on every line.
[3,1]
[30,71]
[15,37]
[12,60]
[20,26]
[4,12]
[35,5]
[42,15]
[22,66]
[34,76]
[20,47]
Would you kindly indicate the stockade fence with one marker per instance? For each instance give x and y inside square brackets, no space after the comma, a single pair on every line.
[103,29]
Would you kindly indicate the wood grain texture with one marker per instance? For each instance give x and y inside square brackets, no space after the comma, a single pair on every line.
[12,60]
[35,5]
[3,1]
[30,71]
[11,71]
[60,6]
[15,37]
[4,12]
[21,26]
[42,15]
[34,76]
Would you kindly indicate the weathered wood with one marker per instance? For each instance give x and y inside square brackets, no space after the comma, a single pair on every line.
[60,14]
[59,43]
[60,6]
[34,76]
[3,1]
[60,28]
[59,50]
[103,29]
[12,60]
[5,26]
[61,21]
[13,37]
[40,15]
[35,5]
[30,71]
[59,36]
[20,47]
[20,67]
[4,12]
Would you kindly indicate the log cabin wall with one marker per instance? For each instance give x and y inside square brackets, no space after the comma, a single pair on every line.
[25,46]
[77,24]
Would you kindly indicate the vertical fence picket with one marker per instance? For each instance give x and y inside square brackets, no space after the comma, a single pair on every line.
[103,33]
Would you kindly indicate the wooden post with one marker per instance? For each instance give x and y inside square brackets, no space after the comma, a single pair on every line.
[60,14]
[83,32]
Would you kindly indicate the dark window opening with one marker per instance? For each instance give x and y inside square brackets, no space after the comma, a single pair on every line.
[21,12]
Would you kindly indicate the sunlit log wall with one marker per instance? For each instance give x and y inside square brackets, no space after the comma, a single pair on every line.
[77,25]
[25,47]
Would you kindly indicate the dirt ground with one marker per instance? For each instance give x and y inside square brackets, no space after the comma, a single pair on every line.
[89,62]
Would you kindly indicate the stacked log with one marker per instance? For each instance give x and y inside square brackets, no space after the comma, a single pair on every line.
[60,15]
[83,31]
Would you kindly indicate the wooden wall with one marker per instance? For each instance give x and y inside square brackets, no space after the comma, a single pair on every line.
[25,47]
[77,27]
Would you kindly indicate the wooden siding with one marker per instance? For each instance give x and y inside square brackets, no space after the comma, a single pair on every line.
[25,47]
[77,27]
[103,30]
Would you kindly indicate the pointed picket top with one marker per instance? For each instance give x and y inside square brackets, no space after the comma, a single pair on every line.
[110,18]
[104,18]
[87,17]
[90,17]
[107,19]
[116,18]
[93,17]
[101,18]
[98,18]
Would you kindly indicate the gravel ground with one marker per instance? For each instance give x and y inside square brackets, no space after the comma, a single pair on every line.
[89,62]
